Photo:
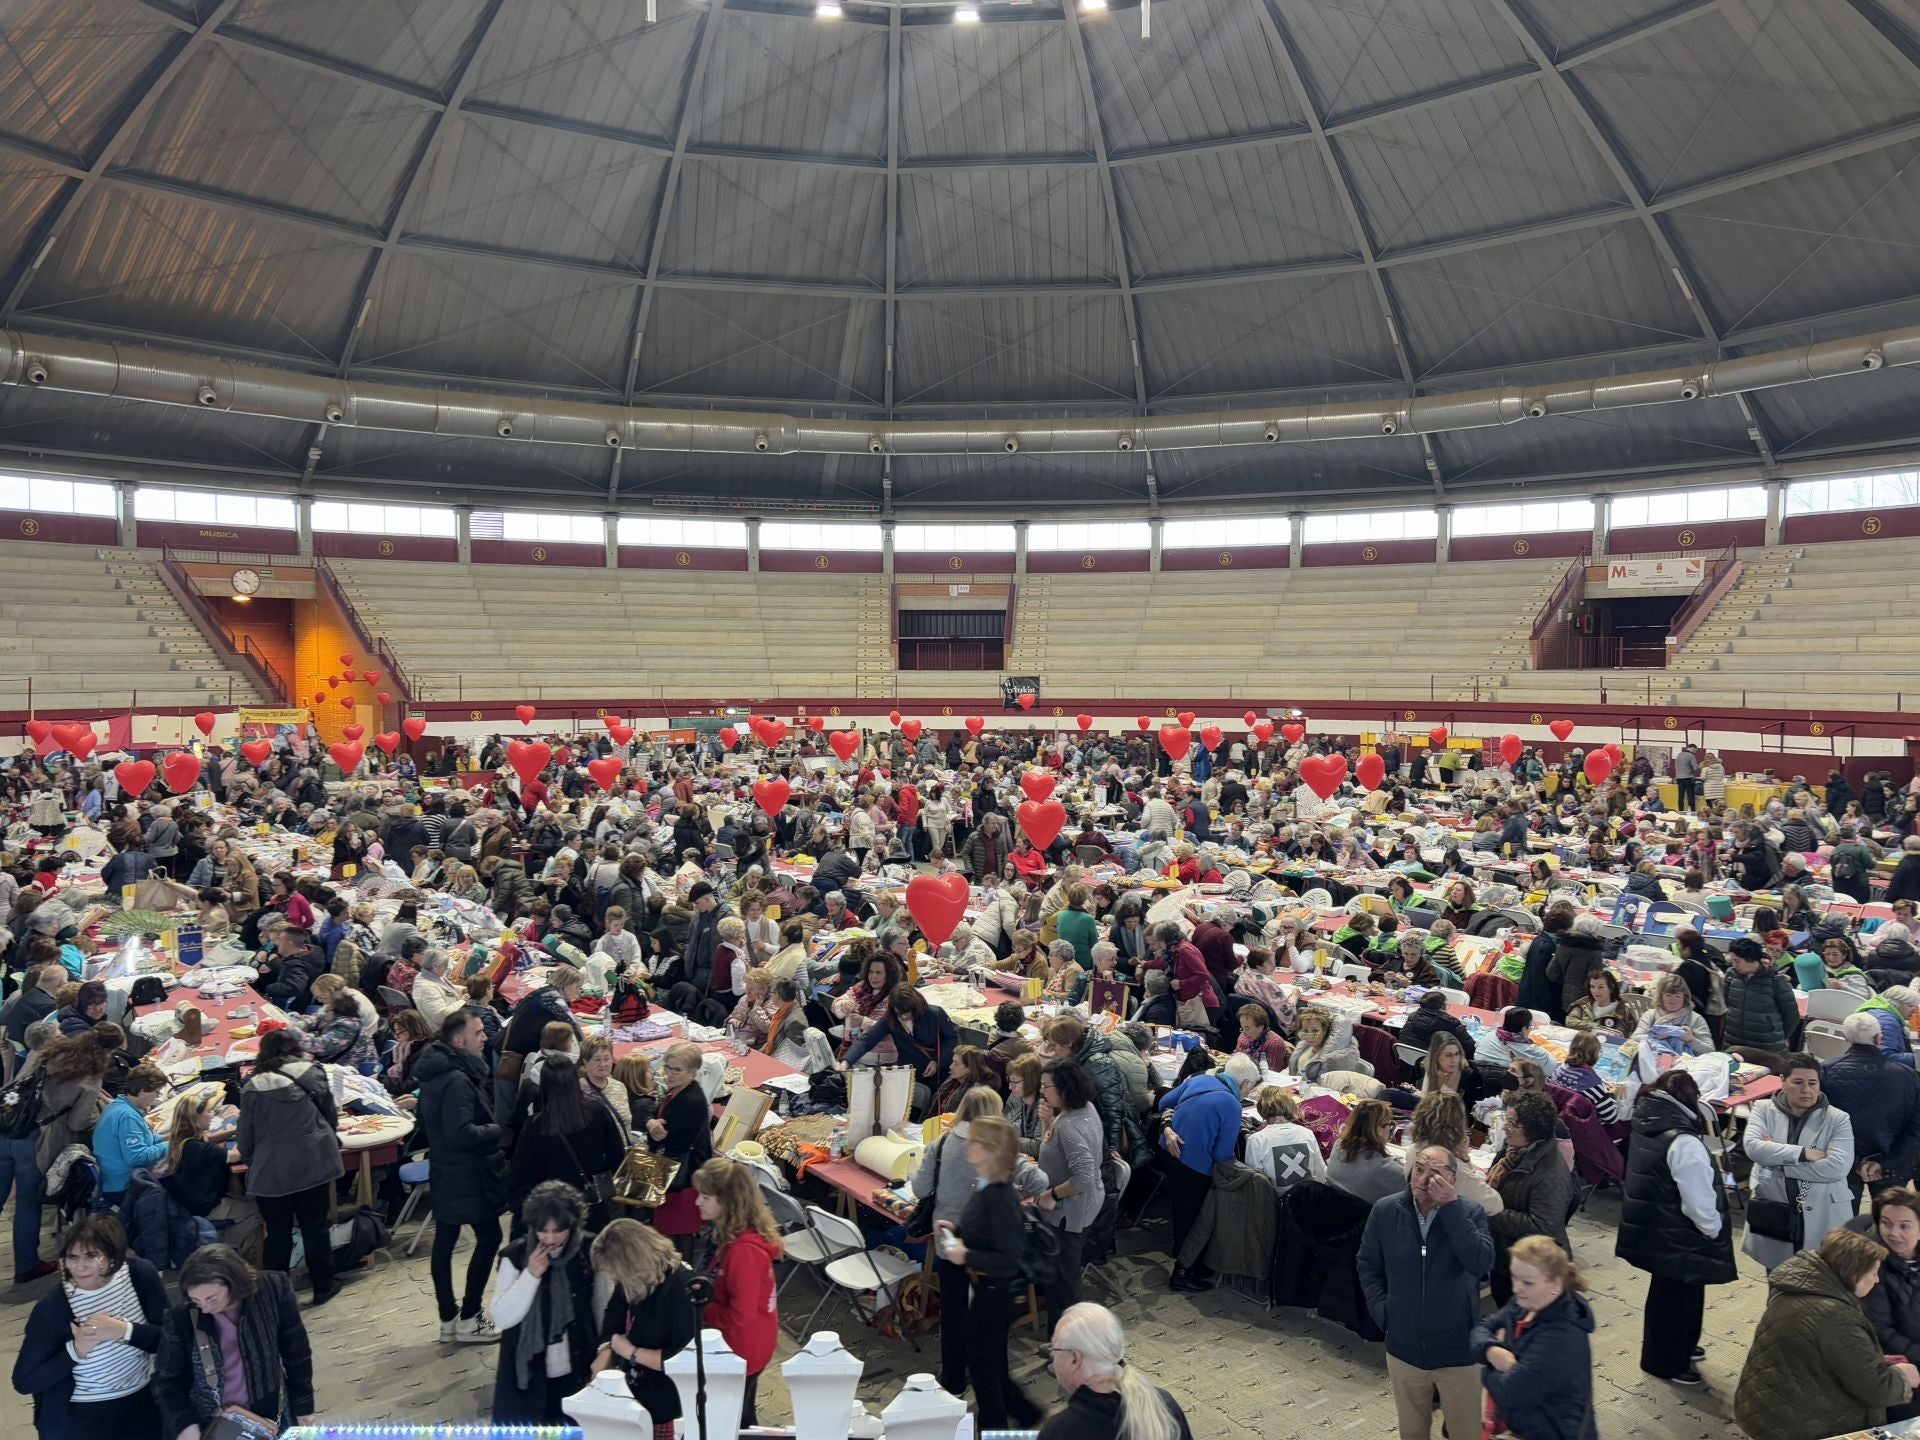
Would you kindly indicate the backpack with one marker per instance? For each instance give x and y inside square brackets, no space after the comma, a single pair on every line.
[1846,864]
[20,1107]
[1039,1251]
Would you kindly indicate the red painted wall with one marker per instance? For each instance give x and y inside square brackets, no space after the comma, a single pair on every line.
[939,566]
[188,536]
[1377,552]
[59,529]
[1852,525]
[665,557]
[840,562]
[536,552]
[385,547]
[1707,535]
[1073,562]
[1563,545]
[1235,557]
[269,623]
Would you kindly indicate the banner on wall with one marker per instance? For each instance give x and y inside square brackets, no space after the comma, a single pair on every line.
[1012,687]
[279,715]
[1653,577]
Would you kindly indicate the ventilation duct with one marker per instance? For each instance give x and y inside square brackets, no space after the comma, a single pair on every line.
[167,377]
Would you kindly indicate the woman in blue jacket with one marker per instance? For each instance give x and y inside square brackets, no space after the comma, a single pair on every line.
[1536,1349]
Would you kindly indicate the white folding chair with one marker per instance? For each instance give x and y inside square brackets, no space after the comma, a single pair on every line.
[1831,1004]
[800,1242]
[1410,1056]
[1319,897]
[1824,1040]
[1353,972]
[1456,997]
[414,1175]
[856,1268]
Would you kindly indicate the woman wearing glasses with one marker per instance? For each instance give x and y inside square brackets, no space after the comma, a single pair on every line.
[683,1131]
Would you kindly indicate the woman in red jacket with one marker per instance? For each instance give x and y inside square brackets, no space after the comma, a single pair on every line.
[746,1243]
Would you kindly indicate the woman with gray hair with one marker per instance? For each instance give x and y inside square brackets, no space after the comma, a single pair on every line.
[434,995]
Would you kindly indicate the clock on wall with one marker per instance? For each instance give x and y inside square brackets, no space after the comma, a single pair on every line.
[246,582]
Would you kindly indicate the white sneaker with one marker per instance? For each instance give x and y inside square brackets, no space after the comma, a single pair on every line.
[446,1332]
[476,1330]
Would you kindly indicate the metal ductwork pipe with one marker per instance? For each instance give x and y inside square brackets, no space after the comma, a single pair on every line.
[171,377]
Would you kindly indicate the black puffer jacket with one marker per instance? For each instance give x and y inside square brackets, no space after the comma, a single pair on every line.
[466,1149]
[1655,1234]
[1761,1009]
[1575,957]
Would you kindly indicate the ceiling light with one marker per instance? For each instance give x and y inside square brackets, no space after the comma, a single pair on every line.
[826,10]
[1093,4]
[966,15]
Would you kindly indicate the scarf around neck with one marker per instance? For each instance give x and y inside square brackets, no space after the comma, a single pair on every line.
[546,1324]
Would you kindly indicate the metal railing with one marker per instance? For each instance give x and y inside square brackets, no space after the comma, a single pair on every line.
[373,644]
[1723,573]
[1548,645]
[240,649]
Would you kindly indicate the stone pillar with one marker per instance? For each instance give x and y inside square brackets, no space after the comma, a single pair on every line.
[1602,524]
[753,547]
[463,533]
[1296,538]
[1156,530]
[1443,541]
[1020,547]
[1776,510]
[303,526]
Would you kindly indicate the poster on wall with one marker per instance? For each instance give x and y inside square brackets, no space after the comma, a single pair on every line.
[1670,576]
[1012,687]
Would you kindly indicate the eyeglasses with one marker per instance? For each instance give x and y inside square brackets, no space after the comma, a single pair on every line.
[1048,1352]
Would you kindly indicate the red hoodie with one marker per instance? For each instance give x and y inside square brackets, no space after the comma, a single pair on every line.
[743,1305]
[909,805]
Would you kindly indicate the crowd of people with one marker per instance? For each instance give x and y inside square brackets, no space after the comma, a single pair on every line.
[672,883]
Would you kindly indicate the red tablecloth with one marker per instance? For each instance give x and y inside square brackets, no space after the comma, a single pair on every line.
[853,1180]
[217,1023]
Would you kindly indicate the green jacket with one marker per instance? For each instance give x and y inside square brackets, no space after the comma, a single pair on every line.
[1815,1367]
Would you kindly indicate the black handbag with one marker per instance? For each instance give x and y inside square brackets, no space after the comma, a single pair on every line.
[920,1222]
[1781,1220]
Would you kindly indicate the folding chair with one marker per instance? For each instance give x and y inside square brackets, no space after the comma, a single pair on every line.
[1831,1004]
[394,1001]
[413,1175]
[800,1242]
[1353,972]
[856,1268]
[1824,1040]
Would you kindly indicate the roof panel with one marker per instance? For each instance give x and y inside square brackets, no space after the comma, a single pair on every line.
[1710,433]
[596,61]
[775,81]
[1270,334]
[1829,239]
[462,316]
[1319,469]
[1569,24]
[1753,81]
[649,475]
[52,421]
[1873,407]
[989,90]
[1364,53]
[752,344]
[747,217]
[67,70]
[576,471]
[153,262]
[1493,158]
[25,193]
[1022,224]
[420,42]
[1209,72]
[1048,347]
[1015,480]
[242,122]
[1576,293]
[521,187]
[1269,205]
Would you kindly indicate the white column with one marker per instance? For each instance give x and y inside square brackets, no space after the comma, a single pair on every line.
[1019,547]
[303,526]
[1156,528]
[126,535]
[1443,542]
[1602,524]
[1776,510]
[612,540]
[753,547]
[1296,538]
[886,549]
[463,533]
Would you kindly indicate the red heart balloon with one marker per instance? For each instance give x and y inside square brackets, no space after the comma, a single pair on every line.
[1085,722]
[347,660]
[937,904]
[527,759]
[333,682]
[620,734]
[1186,718]
[1294,731]
[1042,820]
[1037,783]
[843,743]
[1561,729]
[83,744]
[1026,701]
[384,697]
[179,770]
[1176,740]
[415,726]
[1612,747]
[68,733]
[38,731]
[347,702]
[1210,737]
[610,721]
[893,717]
[1323,773]
[372,677]
[134,776]
[816,723]
[388,740]
[1144,722]
[911,729]
[1599,765]
[604,771]
[1512,747]
[1249,718]
[525,712]
[354,732]
[771,795]
[1263,730]
[347,755]
[976,724]
[257,751]
[729,737]
[204,720]
[1437,735]
[773,732]
[1372,771]
[319,697]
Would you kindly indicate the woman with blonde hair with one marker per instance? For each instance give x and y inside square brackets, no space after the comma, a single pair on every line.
[197,1171]
[635,1074]
[1672,1010]
[1440,1120]
[650,1316]
[1282,1149]
[1537,1349]
[1107,1399]
[746,1245]
[682,1129]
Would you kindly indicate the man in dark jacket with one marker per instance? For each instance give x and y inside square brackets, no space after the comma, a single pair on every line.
[695,978]
[1882,1098]
[1755,862]
[1905,884]
[469,1157]
[836,868]
[1422,1257]
[1762,1011]
[33,1003]
[1576,957]
[1533,1182]
[1538,990]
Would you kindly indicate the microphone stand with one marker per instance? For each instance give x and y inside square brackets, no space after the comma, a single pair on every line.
[700,1291]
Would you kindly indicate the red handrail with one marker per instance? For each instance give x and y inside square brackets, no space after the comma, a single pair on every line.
[241,648]
[371,643]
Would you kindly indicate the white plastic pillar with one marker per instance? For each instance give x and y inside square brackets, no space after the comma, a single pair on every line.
[822,1378]
[605,1410]
[923,1411]
[726,1388]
